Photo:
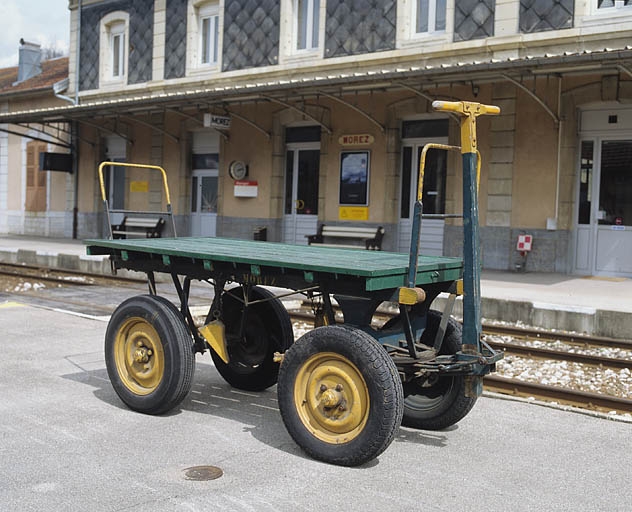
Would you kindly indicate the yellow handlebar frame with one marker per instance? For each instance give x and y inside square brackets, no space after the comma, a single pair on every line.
[138,166]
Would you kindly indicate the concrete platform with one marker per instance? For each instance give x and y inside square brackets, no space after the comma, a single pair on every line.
[68,443]
[596,306]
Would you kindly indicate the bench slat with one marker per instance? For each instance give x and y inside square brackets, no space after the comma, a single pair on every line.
[349,234]
[133,233]
[142,223]
[348,229]
[339,246]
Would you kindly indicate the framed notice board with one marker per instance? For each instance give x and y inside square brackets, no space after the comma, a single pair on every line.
[354,177]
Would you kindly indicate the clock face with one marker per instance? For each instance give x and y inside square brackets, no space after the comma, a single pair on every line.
[237,170]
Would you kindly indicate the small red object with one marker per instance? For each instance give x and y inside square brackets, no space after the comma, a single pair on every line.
[524,243]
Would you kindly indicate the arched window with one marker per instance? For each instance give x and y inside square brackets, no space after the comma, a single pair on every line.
[114,48]
[204,35]
[208,25]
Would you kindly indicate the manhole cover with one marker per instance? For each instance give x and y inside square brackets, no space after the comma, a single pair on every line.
[202,473]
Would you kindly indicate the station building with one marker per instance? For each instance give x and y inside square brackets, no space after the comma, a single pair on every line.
[31,201]
[274,117]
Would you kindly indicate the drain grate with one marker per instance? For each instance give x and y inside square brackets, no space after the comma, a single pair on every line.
[202,473]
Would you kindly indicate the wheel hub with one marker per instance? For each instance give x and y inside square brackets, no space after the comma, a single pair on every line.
[332,398]
[142,353]
[332,401]
[139,356]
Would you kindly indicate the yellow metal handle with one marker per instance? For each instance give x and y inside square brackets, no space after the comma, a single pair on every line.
[468,111]
[422,164]
[137,166]
[465,108]
[300,204]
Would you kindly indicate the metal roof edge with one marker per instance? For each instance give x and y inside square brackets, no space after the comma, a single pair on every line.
[342,78]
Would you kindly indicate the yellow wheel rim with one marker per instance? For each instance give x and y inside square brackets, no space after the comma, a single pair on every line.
[331,398]
[139,356]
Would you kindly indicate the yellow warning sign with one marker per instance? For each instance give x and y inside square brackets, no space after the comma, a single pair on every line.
[139,186]
[353,213]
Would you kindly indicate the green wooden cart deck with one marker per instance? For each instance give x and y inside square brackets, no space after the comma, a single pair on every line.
[380,270]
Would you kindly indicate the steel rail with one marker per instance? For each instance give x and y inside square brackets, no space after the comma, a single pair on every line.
[567,396]
[543,334]
[39,277]
[560,355]
[38,268]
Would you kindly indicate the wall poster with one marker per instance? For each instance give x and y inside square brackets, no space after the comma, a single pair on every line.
[354,177]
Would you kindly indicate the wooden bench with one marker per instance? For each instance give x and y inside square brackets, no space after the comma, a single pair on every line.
[147,227]
[372,237]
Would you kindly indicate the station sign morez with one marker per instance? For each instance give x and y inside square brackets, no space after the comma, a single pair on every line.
[358,139]
[215,121]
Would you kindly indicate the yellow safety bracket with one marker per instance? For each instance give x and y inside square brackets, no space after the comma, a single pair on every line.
[215,335]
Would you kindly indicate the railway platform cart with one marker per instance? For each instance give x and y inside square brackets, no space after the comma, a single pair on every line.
[343,388]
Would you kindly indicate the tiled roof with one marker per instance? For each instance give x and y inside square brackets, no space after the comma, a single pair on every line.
[53,71]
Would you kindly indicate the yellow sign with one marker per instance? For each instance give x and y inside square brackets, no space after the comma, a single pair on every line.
[358,139]
[139,186]
[353,213]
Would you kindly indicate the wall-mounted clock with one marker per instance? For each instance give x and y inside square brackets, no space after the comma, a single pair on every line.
[238,170]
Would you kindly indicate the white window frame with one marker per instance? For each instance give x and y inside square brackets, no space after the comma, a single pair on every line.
[114,26]
[210,13]
[407,35]
[432,18]
[290,53]
[615,18]
[117,32]
[197,12]
[618,4]
[312,28]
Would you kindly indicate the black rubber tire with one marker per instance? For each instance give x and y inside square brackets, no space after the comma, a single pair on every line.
[444,403]
[156,322]
[312,361]
[268,330]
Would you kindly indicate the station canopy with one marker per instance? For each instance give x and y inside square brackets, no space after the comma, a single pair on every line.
[293,91]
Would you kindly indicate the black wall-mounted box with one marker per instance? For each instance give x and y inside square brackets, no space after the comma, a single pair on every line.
[55,162]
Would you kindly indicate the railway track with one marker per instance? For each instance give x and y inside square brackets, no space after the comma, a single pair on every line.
[59,276]
[78,292]
[531,334]
[572,397]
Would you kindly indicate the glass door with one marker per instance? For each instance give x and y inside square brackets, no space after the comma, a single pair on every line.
[604,214]
[614,214]
[204,202]
[301,192]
